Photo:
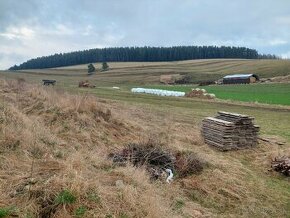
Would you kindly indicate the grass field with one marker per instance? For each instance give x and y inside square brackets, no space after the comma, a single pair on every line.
[147,73]
[236,184]
[128,75]
[278,93]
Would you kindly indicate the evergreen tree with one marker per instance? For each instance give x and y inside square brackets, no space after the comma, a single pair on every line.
[105,66]
[91,69]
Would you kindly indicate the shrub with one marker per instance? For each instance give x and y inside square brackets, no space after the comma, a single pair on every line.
[185,79]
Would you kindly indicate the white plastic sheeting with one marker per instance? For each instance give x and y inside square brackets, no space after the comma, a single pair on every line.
[170,175]
[159,92]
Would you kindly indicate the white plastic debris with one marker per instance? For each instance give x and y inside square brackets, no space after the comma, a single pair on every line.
[158,92]
[170,175]
[212,95]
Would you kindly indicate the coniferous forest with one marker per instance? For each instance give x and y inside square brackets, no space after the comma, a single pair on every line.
[142,54]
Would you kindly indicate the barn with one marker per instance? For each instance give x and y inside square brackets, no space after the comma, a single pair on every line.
[240,79]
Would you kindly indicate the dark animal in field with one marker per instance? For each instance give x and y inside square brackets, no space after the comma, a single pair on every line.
[48,82]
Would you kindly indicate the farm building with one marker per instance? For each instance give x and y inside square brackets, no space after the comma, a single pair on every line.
[240,78]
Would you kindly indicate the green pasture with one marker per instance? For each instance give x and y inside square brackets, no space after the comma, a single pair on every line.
[278,93]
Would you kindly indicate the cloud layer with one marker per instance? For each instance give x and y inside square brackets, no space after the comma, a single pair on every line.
[34,28]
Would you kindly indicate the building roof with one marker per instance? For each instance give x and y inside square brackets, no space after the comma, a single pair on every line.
[239,76]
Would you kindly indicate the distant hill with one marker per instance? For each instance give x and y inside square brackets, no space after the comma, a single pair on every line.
[149,72]
[140,54]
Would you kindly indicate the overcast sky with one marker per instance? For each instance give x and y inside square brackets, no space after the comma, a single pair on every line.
[32,28]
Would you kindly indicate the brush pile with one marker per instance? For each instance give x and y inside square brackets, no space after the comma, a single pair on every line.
[229,131]
[153,157]
[156,159]
[86,84]
[200,93]
[282,165]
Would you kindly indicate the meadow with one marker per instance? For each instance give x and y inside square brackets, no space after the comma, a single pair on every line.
[142,73]
[138,74]
[65,130]
[277,93]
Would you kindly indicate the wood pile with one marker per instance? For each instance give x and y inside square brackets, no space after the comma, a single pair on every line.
[282,165]
[229,131]
[86,84]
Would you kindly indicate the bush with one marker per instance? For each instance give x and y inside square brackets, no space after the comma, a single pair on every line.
[184,80]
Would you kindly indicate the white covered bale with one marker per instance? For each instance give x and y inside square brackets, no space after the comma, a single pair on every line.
[158,92]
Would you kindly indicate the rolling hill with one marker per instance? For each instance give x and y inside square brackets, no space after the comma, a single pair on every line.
[149,72]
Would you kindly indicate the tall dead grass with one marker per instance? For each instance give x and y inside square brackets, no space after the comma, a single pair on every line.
[53,143]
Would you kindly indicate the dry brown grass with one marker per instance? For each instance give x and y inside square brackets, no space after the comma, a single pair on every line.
[52,141]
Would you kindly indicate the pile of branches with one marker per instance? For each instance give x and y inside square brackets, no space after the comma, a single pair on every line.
[157,159]
[86,84]
[282,165]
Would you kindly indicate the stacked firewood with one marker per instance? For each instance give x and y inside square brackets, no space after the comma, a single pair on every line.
[228,131]
[282,165]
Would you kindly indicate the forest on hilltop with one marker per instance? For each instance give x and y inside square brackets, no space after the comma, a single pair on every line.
[140,54]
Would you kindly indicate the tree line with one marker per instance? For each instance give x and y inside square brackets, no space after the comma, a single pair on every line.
[139,54]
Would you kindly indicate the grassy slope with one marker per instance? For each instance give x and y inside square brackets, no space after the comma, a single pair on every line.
[239,184]
[148,73]
[274,121]
[263,93]
[52,127]
[199,109]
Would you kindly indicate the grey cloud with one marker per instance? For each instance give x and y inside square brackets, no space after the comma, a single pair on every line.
[33,28]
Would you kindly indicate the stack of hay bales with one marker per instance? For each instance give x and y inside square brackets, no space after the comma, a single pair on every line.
[199,93]
[229,131]
[170,79]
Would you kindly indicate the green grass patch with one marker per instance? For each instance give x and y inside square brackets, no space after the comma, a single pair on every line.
[178,204]
[65,197]
[278,93]
[80,211]
[6,212]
